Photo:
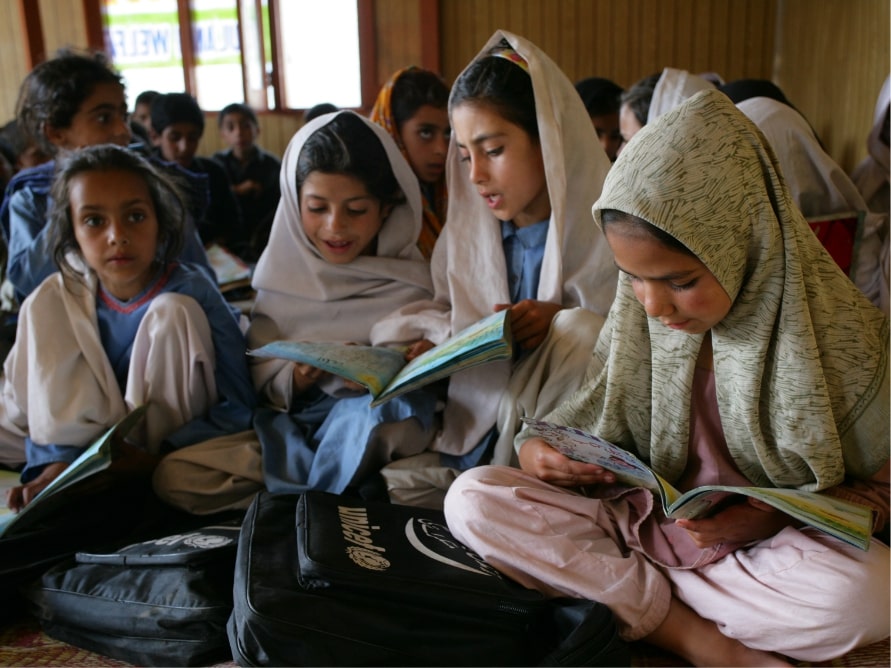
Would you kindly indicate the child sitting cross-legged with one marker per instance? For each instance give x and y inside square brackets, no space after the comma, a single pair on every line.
[121,325]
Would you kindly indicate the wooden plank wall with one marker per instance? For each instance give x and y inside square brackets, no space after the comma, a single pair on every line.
[13,57]
[623,41]
[64,24]
[832,58]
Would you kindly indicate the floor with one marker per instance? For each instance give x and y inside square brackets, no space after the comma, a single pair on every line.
[24,644]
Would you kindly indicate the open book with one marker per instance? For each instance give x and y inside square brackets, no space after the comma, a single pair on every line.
[232,272]
[384,370]
[96,458]
[842,519]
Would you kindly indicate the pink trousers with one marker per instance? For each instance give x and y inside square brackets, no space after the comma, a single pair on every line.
[800,593]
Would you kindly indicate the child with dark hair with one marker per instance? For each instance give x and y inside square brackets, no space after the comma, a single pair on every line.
[123,322]
[24,150]
[317,110]
[601,98]
[413,107]
[254,174]
[142,108]
[342,254]
[524,170]
[655,95]
[66,103]
[177,127]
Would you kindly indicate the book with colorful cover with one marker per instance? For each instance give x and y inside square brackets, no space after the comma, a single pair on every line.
[385,372]
[98,457]
[847,521]
[231,271]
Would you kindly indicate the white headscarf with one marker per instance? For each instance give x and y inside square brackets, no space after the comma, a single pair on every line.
[301,296]
[468,264]
[871,175]
[818,185]
[801,358]
[674,86]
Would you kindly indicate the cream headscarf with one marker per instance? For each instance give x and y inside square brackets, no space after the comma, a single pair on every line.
[818,185]
[303,297]
[801,359]
[468,265]
[871,175]
[674,86]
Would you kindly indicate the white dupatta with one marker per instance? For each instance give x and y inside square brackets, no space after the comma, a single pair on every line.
[303,297]
[468,264]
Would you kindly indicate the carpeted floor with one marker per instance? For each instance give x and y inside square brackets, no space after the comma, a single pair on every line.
[24,644]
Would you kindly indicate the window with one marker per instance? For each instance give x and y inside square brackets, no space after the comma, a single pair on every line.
[267,53]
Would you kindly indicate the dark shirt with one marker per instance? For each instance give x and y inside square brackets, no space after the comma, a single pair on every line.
[257,209]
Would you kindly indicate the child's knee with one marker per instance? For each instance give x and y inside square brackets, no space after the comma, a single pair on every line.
[171,307]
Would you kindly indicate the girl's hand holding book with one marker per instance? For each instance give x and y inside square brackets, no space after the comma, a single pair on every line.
[19,497]
[538,458]
[530,321]
[305,376]
[743,522]
[418,348]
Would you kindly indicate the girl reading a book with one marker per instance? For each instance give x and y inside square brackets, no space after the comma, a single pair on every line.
[524,169]
[121,325]
[738,353]
[341,255]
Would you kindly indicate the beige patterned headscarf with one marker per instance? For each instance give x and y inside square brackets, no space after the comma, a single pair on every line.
[800,360]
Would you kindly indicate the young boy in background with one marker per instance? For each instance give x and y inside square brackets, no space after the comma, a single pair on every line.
[176,128]
[254,175]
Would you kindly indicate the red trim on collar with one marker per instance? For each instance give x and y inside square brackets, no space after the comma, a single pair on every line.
[114,305]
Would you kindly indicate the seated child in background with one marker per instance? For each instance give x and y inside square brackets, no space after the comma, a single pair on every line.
[254,175]
[68,102]
[121,325]
[654,95]
[602,99]
[317,110]
[413,107]
[177,127]
[142,108]
[342,254]
[26,151]
[736,353]
[523,174]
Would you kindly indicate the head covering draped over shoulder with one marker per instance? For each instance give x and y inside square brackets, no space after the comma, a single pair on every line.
[468,265]
[435,209]
[577,269]
[302,296]
[819,186]
[871,175]
[800,360]
[673,87]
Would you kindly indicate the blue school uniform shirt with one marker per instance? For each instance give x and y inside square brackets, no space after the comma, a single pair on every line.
[118,322]
[523,252]
[25,228]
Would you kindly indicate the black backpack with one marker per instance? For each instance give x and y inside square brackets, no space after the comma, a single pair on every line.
[163,601]
[328,580]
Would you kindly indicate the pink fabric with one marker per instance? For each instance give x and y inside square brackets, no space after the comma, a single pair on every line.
[790,594]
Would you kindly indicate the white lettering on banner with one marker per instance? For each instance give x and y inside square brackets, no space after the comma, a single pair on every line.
[143,44]
[356,530]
